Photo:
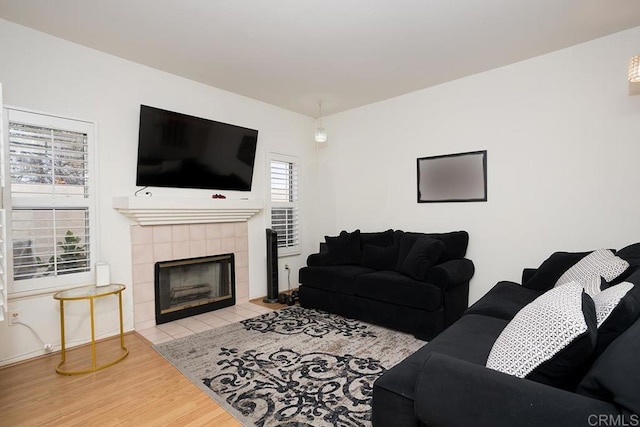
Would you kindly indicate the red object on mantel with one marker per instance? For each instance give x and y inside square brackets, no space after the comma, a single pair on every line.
[218,196]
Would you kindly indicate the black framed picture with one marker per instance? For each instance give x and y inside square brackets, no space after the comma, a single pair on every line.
[460,177]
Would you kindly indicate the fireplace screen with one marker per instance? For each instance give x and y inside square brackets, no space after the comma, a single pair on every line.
[192,286]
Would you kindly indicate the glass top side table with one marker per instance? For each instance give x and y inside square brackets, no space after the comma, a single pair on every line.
[90,293]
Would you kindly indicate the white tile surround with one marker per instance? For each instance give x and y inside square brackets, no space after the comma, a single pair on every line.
[154,243]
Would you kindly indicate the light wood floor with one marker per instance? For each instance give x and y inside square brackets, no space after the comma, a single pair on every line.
[142,390]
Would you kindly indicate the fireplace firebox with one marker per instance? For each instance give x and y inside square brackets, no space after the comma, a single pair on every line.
[193,286]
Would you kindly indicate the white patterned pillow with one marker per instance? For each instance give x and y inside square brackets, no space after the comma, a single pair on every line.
[549,338]
[588,271]
[607,300]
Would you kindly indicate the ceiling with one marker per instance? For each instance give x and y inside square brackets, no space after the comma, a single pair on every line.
[347,53]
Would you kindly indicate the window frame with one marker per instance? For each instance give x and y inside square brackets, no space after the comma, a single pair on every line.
[294,249]
[49,284]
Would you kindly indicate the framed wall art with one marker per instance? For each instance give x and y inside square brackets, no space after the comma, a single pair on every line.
[460,177]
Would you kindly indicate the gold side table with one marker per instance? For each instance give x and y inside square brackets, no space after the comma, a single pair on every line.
[90,293]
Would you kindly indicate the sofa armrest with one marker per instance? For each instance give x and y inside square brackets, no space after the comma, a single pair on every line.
[450,273]
[321,258]
[453,392]
[318,260]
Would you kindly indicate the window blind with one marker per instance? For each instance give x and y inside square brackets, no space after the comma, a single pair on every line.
[50,242]
[3,265]
[3,228]
[46,161]
[50,219]
[284,205]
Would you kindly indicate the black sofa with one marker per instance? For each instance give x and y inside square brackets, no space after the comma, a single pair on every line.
[446,382]
[411,282]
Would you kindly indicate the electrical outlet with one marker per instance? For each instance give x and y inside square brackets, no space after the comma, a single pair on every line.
[48,348]
[15,316]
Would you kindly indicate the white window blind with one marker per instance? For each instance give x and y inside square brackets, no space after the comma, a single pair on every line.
[3,265]
[284,204]
[51,218]
[3,229]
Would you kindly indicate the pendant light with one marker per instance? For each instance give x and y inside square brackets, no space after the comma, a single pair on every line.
[321,134]
[634,69]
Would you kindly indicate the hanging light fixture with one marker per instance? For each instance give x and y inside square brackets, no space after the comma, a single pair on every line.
[634,69]
[321,134]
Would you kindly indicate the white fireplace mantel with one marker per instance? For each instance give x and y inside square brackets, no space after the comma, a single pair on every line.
[176,210]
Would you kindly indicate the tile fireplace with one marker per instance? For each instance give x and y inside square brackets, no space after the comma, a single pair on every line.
[153,244]
[170,228]
[193,286]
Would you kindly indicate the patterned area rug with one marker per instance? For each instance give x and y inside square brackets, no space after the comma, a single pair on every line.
[291,367]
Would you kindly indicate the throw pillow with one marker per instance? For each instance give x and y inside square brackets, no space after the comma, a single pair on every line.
[594,285]
[383,238]
[379,257]
[552,268]
[617,308]
[550,339]
[344,249]
[601,263]
[631,254]
[607,301]
[615,376]
[423,255]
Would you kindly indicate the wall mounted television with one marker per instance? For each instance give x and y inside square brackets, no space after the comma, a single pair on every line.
[181,151]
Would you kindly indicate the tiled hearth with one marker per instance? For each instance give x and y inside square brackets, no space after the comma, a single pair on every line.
[154,243]
[202,322]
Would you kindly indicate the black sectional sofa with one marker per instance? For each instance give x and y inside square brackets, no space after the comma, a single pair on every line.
[447,383]
[411,282]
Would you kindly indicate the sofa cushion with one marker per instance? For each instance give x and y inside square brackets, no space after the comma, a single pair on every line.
[469,339]
[455,243]
[379,257]
[336,278]
[631,254]
[615,376]
[504,300]
[344,249]
[552,268]
[383,238]
[423,255]
[617,308]
[396,288]
[588,271]
[550,339]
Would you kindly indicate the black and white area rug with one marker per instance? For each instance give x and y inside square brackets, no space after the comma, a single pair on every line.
[291,367]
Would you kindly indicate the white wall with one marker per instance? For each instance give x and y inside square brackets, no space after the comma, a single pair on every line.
[561,132]
[563,138]
[47,74]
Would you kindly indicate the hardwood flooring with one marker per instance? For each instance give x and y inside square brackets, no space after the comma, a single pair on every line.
[142,390]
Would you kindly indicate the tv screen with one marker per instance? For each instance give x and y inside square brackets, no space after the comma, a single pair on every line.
[177,150]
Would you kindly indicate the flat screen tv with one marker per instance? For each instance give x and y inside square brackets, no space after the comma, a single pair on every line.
[177,150]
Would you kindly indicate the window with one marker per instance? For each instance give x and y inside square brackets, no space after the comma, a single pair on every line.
[3,265]
[284,203]
[49,200]
[3,230]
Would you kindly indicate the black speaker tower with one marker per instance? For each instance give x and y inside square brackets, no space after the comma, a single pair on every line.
[272,266]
